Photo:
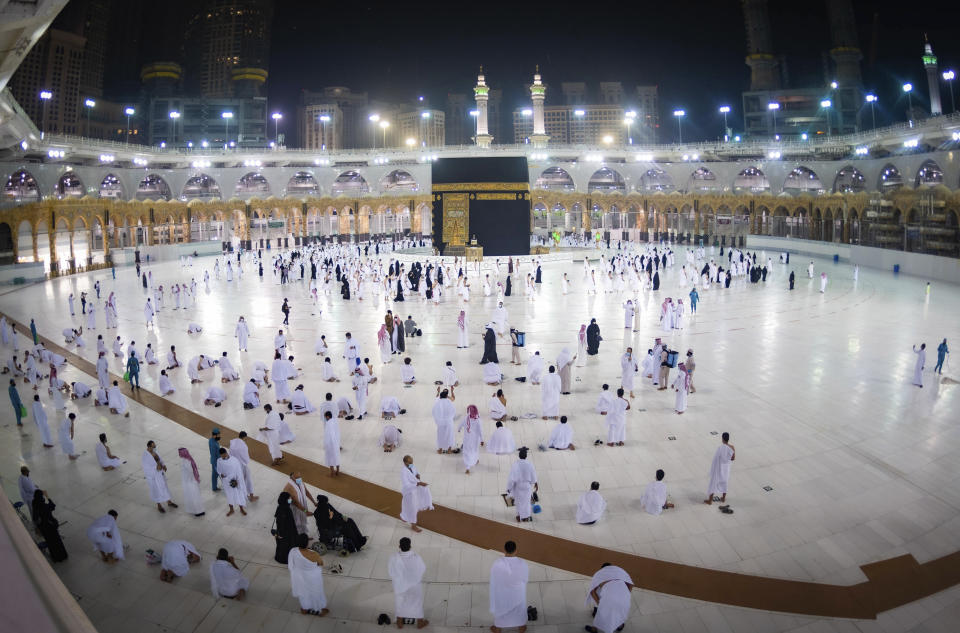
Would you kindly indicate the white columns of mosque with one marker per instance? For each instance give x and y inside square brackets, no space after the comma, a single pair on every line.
[481,94]
[538,93]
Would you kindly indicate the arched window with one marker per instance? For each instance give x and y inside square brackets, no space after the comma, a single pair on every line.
[21,187]
[929,175]
[751,180]
[153,187]
[350,182]
[702,179]
[70,186]
[606,179]
[849,180]
[802,180]
[201,187]
[398,180]
[252,184]
[890,179]
[303,184]
[655,179]
[111,187]
[555,178]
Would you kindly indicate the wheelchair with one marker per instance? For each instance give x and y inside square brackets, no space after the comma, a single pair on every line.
[332,541]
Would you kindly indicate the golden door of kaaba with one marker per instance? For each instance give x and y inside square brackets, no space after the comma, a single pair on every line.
[456,218]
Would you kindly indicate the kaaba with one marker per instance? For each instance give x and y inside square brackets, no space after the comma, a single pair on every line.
[487,199]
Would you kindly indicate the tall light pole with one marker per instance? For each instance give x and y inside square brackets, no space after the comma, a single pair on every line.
[578,115]
[324,118]
[908,88]
[45,95]
[276,116]
[129,112]
[174,115]
[474,114]
[628,120]
[423,125]
[383,126]
[679,114]
[948,76]
[825,104]
[226,116]
[89,104]
[872,100]
[725,110]
[373,119]
[773,106]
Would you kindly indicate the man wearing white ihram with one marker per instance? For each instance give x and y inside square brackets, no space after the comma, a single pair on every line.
[154,470]
[610,592]
[416,494]
[508,590]
[720,472]
[406,570]
[176,558]
[306,580]
[234,485]
[105,536]
[521,484]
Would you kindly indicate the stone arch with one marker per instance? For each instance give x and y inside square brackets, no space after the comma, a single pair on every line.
[540,219]
[890,178]
[399,180]
[929,174]
[655,179]
[111,188]
[7,245]
[849,180]
[802,180]
[702,179]
[425,214]
[153,187]
[252,184]
[853,223]
[606,179]
[21,186]
[200,187]
[556,178]
[69,185]
[302,184]
[349,182]
[751,180]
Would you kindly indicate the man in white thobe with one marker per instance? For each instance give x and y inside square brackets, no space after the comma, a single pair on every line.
[654,499]
[331,442]
[617,420]
[604,401]
[720,471]
[105,536]
[230,471]
[251,395]
[227,371]
[176,558]
[155,472]
[416,494]
[270,433]
[921,362]
[591,505]
[27,488]
[306,580]
[561,437]
[406,570]
[240,452]
[225,578]
[550,394]
[508,590]
[535,368]
[40,419]
[521,484]
[444,412]
[610,592]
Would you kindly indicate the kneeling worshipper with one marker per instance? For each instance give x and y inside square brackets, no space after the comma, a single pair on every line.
[390,408]
[251,395]
[654,499]
[107,460]
[406,570]
[501,442]
[105,536]
[227,372]
[306,579]
[116,401]
[491,373]
[591,505]
[299,403]
[176,559]
[390,438]
[508,590]
[225,578]
[610,592]
[215,396]
[561,437]
[166,387]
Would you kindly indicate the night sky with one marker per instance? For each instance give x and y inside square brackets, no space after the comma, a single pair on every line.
[693,51]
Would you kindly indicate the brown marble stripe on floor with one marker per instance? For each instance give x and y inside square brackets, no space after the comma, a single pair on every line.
[891,583]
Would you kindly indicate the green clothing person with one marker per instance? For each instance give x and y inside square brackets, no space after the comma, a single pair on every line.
[133,370]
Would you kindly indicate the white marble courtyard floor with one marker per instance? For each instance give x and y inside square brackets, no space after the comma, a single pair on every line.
[813,388]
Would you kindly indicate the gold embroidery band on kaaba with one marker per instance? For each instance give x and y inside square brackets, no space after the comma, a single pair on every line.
[480,186]
[456,218]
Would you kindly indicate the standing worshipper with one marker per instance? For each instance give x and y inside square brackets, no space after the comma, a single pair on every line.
[942,351]
[628,314]
[242,333]
[521,485]
[443,413]
[617,420]
[681,385]
[610,591]
[489,346]
[720,471]
[18,408]
[300,494]
[564,363]
[239,451]
[105,536]
[406,570]
[416,494]
[155,472]
[593,338]
[691,366]
[331,442]
[306,580]
[472,437]
[792,279]
[823,282]
[234,485]
[40,419]
[190,483]
[270,433]
[628,370]
[33,332]
[550,394]
[285,532]
[508,590]
[213,444]
[133,370]
[27,488]
[694,298]
[462,341]
[66,436]
[917,369]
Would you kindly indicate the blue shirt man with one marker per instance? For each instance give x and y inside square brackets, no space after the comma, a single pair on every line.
[214,444]
[942,351]
[15,401]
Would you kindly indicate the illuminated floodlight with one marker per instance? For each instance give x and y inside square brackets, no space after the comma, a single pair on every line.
[276,116]
[826,103]
[911,143]
[89,103]
[679,113]
[226,115]
[907,87]
[46,95]
[803,136]
[424,115]
[129,111]
[579,112]
[871,98]
[773,105]
[324,117]
[833,84]
[474,112]
[174,115]
[374,117]
[526,112]
[724,109]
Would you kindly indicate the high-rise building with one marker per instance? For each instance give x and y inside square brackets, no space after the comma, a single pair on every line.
[495,116]
[226,41]
[425,127]
[200,120]
[574,93]
[611,93]
[460,124]
[350,128]
[648,115]
[320,126]
[580,125]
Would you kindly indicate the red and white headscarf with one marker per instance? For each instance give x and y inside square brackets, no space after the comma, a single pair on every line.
[461,320]
[583,334]
[472,414]
[382,335]
[686,375]
[185,454]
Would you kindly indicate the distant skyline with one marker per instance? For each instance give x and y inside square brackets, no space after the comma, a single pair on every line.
[694,51]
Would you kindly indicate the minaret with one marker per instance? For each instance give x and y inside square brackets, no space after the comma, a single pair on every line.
[760,57]
[481,94]
[538,93]
[845,50]
[933,77]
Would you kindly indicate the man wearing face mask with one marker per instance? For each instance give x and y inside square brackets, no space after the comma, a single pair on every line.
[230,470]
[300,495]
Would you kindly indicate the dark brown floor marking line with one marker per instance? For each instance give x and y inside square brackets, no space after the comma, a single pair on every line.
[891,583]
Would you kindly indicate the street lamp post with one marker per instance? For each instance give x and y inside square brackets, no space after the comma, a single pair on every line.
[679,114]
[948,76]
[423,124]
[276,116]
[129,112]
[324,118]
[474,114]
[579,114]
[226,116]
[825,104]
[773,106]
[628,120]
[373,119]
[872,100]
[383,126]
[45,95]
[89,103]
[908,88]
[174,115]
[725,110]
